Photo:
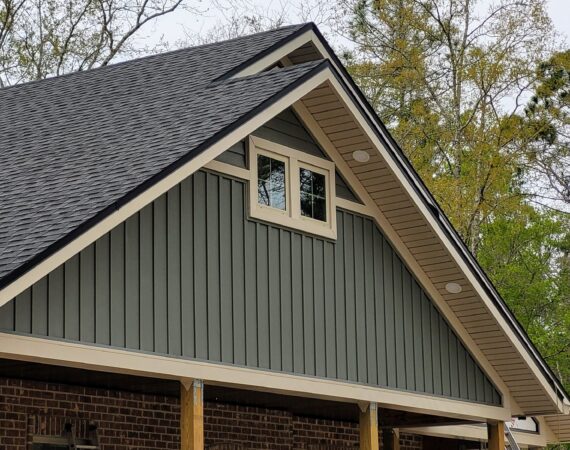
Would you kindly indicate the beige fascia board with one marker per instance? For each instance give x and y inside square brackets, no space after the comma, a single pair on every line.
[113,360]
[277,55]
[371,209]
[99,229]
[440,233]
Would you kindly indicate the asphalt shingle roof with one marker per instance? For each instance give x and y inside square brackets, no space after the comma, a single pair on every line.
[72,146]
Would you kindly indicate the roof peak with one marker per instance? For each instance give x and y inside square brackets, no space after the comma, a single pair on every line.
[292,28]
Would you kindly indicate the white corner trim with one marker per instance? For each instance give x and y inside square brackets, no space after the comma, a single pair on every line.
[156,190]
[113,360]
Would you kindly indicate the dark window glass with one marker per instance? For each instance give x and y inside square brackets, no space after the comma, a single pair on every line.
[313,195]
[271,182]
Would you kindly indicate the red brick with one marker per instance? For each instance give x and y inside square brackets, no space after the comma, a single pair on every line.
[128,420]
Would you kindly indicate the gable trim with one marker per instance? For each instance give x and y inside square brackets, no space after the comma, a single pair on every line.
[153,188]
[434,215]
[273,54]
[113,360]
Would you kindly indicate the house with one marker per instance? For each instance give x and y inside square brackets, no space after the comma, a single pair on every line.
[222,247]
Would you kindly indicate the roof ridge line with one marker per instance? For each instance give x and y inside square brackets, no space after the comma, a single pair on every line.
[154,55]
[304,65]
[302,29]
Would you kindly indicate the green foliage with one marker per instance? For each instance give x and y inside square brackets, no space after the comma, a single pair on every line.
[448,78]
[43,38]
[526,254]
[548,125]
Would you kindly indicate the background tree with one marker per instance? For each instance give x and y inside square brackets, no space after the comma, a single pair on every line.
[548,121]
[451,79]
[447,77]
[42,38]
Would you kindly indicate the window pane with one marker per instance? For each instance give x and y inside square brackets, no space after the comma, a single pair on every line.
[306,205]
[271,182]
[263,192]
[278,196]
[320,208]
[313,194]
[263,167]
[318,184]
[305,177]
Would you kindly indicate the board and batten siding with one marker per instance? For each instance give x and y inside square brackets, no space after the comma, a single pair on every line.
[191,276]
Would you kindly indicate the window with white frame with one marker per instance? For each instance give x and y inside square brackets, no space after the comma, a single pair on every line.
[291,188]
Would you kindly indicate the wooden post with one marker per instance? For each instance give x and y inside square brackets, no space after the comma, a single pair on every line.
[496,436]
[369,428]
[192,415]
[390,439]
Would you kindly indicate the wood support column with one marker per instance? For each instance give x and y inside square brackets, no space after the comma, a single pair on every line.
[496,436]
[192,415]
[390,439]
[369,427]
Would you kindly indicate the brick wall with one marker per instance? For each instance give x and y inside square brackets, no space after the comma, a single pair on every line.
[138,421]
[410,441]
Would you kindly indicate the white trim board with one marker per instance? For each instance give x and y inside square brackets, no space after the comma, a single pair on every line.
[106,359]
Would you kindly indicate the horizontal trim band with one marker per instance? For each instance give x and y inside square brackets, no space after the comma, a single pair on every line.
[106,359]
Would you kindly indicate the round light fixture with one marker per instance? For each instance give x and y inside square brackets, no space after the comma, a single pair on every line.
[453,288]
[361,156]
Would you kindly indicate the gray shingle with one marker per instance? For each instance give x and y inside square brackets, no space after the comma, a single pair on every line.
[74,145]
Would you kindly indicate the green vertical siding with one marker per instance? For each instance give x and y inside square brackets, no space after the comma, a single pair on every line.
[190,275]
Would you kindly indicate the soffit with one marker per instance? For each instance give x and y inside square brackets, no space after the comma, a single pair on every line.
[560,426]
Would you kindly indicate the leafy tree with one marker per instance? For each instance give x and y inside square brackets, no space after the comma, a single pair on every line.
[42,38]
[548,119]
[526,253]
[448,77]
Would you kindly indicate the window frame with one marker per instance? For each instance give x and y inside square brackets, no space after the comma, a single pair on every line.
[291,216]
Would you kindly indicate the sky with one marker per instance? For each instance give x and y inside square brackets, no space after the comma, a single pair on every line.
[559,11]
[184,25]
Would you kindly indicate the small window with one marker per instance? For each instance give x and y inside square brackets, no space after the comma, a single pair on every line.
[312,186]
[271,182]
[291,188]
